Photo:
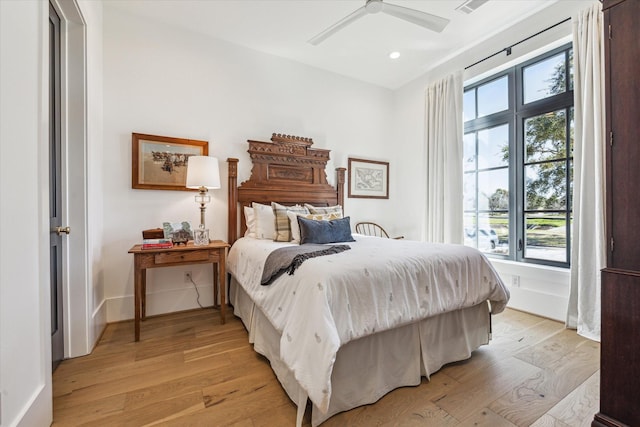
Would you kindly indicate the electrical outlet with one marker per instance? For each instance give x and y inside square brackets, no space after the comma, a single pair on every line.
[515,281]
[187,277]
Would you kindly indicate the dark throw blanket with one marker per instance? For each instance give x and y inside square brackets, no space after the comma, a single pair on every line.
[288,259]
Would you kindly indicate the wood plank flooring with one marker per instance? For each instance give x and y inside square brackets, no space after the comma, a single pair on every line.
[188,370]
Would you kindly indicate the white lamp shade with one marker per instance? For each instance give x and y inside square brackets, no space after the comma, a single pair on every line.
[203,171]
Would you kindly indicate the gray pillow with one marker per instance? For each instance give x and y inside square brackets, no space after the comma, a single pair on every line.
[334,231]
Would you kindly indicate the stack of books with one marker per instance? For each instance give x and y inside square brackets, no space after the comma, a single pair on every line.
[156,243]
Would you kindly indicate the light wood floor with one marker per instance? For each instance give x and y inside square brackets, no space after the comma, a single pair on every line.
[188,370]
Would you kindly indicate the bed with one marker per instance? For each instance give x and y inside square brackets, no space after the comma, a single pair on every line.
[345,329]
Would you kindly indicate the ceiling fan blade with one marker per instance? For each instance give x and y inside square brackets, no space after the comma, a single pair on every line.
[338,26]
[426,20]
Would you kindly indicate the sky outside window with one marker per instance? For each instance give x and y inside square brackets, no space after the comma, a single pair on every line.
[537,78]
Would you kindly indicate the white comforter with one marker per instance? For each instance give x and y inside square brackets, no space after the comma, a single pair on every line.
[379,284]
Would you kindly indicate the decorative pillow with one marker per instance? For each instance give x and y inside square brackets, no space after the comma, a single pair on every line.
[324,209]
[283,229]
[265,221]
[334,231]
[295,228]
[250,220]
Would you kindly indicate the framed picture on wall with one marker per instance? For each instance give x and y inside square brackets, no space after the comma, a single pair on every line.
[160,162]
[368,179]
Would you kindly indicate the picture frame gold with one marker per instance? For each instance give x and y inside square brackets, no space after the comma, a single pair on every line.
[160,162]
[368,179]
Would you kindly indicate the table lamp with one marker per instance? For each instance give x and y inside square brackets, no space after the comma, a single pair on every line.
[203,173]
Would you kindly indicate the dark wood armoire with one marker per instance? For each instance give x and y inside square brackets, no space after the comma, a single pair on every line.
[620,344]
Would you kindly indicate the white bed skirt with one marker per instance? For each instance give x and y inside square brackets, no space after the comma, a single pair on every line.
[368,368]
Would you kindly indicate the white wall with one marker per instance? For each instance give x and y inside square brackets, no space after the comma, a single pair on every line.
[167,81]
[25,341]
[543,291]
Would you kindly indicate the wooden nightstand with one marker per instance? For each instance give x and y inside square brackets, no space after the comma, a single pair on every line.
[214,253]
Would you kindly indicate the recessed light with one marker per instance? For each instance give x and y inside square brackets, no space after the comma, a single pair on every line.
[394,55]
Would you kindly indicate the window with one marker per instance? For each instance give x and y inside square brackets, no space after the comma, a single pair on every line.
[518,161]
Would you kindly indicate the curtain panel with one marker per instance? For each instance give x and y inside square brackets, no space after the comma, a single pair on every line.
[443,147]
[588,231]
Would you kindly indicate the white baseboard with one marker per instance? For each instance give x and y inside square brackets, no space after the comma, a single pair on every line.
[160,302]
[39,409]
[99,322]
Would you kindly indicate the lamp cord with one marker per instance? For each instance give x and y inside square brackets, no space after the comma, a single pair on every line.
[197,292]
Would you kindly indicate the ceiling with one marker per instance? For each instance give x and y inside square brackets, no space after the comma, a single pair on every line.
[360,50]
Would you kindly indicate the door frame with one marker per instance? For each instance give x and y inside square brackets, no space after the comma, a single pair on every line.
[76,276]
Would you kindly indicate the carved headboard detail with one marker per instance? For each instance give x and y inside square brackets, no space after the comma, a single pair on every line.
[287,171]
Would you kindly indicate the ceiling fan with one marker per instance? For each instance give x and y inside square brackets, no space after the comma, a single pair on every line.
[426,20]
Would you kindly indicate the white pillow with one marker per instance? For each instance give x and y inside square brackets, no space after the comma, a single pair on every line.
[265,221]
[250,220]
[295,227]
[324,209]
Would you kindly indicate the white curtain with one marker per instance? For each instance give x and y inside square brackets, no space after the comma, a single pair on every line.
[589,236]
[444,222]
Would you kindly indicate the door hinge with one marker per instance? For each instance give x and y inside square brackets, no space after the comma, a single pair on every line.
[611,244]
[610,32]
[611,138]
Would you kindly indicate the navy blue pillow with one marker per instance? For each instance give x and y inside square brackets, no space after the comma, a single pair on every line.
[334,231]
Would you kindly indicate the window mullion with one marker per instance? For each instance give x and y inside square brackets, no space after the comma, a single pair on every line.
[518,189]
[518,169]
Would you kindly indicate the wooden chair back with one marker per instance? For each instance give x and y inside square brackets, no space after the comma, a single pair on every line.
[371,229]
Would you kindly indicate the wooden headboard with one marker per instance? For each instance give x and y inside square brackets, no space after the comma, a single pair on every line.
[287,171]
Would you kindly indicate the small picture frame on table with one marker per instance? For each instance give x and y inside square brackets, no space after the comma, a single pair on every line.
[368,179]
[178,232]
